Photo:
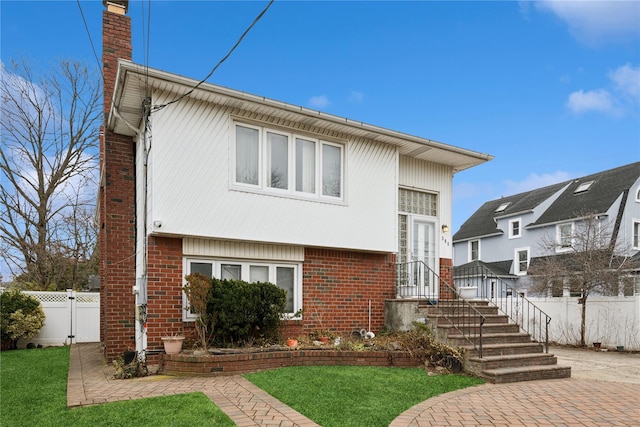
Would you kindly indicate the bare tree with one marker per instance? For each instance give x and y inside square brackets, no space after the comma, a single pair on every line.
[48,162]
[588,261]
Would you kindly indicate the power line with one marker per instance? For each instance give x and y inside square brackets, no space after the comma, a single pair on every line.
[95,54]
[178,99]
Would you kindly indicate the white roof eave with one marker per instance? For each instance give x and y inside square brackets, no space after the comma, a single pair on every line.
[132,81]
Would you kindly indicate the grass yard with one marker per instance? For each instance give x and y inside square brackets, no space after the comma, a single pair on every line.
[33,391]
[341,396]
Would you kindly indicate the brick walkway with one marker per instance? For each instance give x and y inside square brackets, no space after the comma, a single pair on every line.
[566,402]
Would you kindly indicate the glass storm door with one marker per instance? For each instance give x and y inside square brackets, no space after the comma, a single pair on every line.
[423,252]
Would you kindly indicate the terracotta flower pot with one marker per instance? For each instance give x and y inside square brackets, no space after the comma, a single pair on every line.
[172,345]
[291,342]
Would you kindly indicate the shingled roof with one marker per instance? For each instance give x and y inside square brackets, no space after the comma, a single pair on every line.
[606,187]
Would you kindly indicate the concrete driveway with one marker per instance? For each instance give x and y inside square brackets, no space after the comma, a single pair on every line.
[609,365]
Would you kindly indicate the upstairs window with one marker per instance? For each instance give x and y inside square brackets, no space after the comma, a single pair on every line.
[564,237]
[636,234]
[514,228]
[521,261]
[474,250]
[287,164]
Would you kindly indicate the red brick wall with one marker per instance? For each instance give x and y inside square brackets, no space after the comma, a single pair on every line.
[164,291]
[446,274]
[236,364]
[337,287]
[117,206]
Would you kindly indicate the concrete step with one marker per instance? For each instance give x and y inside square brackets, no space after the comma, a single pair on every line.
[489,318]
[487,328]
[479,364]
[502,349]
[503,338]
[526,373]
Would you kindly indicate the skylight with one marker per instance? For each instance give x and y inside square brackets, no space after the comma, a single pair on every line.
[502,207]
[583,187]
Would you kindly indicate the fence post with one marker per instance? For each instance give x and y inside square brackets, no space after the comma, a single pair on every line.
[71,306]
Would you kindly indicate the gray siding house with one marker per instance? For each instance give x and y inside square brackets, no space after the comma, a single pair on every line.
[506,235]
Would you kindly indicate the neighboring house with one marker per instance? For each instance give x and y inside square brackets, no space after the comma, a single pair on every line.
[235,185]
[506,235]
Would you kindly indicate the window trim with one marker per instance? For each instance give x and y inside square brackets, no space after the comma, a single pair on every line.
[264,187]
[516,260]
[635,237]
[470,254]
[512,235]
[245,264]
[559,247]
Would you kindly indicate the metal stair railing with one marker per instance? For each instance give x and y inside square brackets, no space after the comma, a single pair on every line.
[489,286]
[415,280]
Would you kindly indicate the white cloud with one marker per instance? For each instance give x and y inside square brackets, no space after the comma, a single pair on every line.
[593,100]
[321,101]
[595,22]
[627,81]
[622,96]
[534,181]
[356,97]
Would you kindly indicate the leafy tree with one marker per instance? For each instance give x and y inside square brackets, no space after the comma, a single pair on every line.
[21,316]
[49,124]
[590,262]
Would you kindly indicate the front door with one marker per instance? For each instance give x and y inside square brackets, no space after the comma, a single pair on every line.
[423,253]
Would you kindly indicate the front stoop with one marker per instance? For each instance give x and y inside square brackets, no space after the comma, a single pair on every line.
[508,354]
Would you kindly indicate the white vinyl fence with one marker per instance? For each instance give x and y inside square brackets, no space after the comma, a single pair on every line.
[612,321]
[71,317]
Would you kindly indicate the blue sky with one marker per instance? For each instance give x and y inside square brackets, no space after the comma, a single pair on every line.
[550,88]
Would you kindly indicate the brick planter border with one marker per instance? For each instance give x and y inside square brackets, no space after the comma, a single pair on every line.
[186,364]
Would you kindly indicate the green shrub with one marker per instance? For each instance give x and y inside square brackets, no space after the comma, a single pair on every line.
[21,316]
[245,313]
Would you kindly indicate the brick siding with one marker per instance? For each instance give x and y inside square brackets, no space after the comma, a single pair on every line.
[117,206]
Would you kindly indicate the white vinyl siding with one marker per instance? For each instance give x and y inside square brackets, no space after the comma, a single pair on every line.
[193,190]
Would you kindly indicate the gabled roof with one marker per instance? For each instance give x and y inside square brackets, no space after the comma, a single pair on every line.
[499,268]
[134,83]
[606,187]
[482,222]
[597,198]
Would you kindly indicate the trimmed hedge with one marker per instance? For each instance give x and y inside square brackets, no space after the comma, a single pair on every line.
[245,313]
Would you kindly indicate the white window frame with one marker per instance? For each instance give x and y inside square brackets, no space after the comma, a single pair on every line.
[470,255]
[245,264]
[635,233]
[263,185]
[559,247]
[513,235]
[516,261]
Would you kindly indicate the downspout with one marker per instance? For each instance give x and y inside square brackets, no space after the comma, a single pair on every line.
[140,287]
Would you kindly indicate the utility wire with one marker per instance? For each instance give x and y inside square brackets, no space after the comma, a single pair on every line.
[95,54]
[178,99]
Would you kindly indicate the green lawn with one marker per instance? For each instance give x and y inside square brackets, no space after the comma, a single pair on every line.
[33,392]
[344,396]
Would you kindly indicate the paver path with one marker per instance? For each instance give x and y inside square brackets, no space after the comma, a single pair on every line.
[584,401]
[90,382]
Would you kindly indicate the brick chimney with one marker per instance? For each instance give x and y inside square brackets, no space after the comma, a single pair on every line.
[117,198]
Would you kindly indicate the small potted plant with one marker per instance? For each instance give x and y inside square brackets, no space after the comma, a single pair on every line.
[173,343]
